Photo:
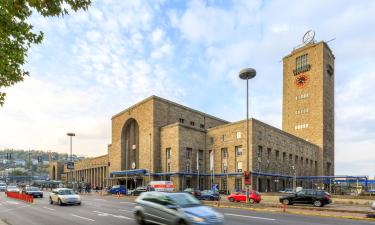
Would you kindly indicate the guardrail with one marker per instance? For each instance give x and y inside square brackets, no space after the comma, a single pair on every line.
[22,197]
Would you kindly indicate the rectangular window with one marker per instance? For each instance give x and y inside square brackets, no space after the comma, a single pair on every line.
[301,61]
[200,154]
[168,152]
[192,123]
[296,159]
[225,168]
[268,153]
[277,155]
[260,151]
[224,153]
[238,184]
[238,134]
[284,156]
[238,150]
[224,184]
[188,168]
[201,126]
[189,153]
[211,140]
[168,167]
[290,157]
[182,120]
[239,167]
[224,137]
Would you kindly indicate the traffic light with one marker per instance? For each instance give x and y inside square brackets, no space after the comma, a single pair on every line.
[247,178]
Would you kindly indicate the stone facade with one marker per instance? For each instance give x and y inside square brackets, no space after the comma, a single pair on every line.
[308,109]
[157,139]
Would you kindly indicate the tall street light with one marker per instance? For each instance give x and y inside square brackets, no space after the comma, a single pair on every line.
[71,135]
[247,74]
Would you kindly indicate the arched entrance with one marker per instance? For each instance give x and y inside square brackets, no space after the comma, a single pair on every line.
[130,151]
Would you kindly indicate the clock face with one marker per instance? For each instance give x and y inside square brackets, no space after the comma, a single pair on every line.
[302,80]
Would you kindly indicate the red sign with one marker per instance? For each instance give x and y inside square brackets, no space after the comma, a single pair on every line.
[247,177]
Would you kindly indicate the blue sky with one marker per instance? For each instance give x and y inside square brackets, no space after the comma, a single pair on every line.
[93,64]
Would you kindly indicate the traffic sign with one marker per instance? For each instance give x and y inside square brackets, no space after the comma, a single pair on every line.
[70,165]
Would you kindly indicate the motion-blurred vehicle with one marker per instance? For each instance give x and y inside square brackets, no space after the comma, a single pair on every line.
[13,189]
[64,196]
[3,187]
[254,197]
[195,192]
[318,198]
[33,191]
[209,195]
[138,191]
[174,209]
[117,189]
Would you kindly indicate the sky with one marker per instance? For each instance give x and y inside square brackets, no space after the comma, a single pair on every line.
[93,64]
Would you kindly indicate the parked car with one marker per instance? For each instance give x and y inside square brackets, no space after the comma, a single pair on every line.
[174,209]
[195,192]
[138,191]
[209,195]
[117,189]
[13,189]
[3,187]
[63,196]
[317,198]
[254,197]
[33,191]
[287,191]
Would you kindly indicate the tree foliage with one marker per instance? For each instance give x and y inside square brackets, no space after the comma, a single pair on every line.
[17,35]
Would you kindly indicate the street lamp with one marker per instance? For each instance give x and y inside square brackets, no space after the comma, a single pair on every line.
[247,74]
[71,135]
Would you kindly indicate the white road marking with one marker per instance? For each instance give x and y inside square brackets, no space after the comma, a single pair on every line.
[116,216]
[48,208]
[12,202]
[81,217]
[124,210]
[251,217]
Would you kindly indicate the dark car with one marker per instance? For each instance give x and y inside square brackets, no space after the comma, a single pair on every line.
[117,189]
[317,198]
[138,191]
[209,195]
[195,192]
[174,209]
[33,191]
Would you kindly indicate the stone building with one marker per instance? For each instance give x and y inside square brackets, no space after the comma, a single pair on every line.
[157,139]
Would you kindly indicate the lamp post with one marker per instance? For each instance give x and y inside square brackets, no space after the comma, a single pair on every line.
[71,135]
[247,74]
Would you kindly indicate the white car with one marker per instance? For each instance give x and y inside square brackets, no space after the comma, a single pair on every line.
[373,205]
[63,196]
[3,186]
[13,189]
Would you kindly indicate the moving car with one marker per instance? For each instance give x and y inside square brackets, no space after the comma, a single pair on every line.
[117,189]
[13,189]
[138,191]
[3,187]
[33,191]
[209,195]
[254,197]
[318,198]
[174,209]
[63,196]
[195,192]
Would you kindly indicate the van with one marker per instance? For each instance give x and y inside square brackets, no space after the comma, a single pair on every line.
[162,185]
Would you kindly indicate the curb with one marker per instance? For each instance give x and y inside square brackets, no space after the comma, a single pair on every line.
[297,213]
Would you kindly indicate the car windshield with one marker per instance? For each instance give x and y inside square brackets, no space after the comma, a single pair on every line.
[66,192]
[12,187]
[32,189]
[116,186]
[185,200]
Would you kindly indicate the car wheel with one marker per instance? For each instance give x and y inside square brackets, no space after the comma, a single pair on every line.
[286,202]
[79,203]
[140,218]
[50,201]
[182,222]
[251,200]
[231,199]
[59,202]
[318,203]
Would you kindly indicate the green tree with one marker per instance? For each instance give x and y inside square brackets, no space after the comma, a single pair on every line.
[17,35]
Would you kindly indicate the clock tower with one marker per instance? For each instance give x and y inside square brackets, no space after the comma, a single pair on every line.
[308,98]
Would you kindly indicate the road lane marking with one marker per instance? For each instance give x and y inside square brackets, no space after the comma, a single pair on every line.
[124,210]
[116,216]
[12,202]
[132,203]
[48,208]
[81,217]
[251,217]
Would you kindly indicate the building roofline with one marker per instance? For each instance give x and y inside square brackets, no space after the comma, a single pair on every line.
[153,97]
[300,49]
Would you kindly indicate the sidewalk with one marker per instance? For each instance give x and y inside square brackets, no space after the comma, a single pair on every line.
[3,222]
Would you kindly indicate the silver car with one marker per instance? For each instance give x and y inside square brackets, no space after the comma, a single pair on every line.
[63,196]
[174,209]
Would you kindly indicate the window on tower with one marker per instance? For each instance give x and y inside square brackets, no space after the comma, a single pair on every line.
[301,64]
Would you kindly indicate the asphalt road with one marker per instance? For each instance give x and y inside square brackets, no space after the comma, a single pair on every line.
[108,210]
